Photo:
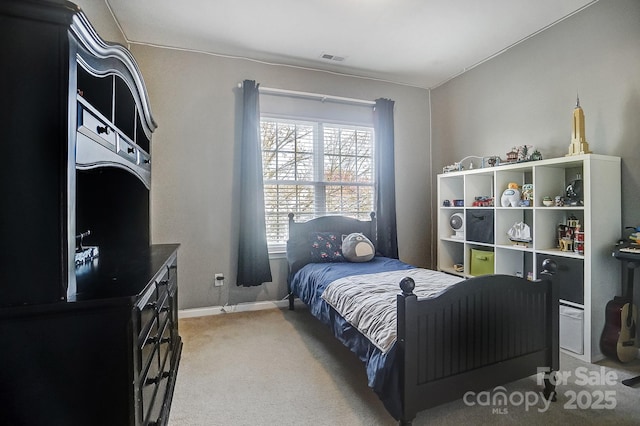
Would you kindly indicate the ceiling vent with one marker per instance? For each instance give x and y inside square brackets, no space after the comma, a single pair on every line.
[330,57]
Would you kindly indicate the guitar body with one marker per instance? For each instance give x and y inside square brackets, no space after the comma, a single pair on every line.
[618,340]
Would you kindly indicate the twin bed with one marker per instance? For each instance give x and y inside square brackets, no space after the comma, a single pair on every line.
[425,337]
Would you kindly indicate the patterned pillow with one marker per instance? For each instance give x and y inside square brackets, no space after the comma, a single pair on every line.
[326,247]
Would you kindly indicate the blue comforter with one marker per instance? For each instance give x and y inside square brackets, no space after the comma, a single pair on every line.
[309,283]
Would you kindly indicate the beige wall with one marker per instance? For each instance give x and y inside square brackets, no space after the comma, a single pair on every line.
[527,96]
[194,190]
[524,96]
[102,20]
[194,99]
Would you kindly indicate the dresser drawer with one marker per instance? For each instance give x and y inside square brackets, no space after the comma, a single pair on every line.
[163,305]
[148,309]
[156,411]
[148,346]
[149,386]
[172,273]
[127,150]
[165,356]
[96,127]
[166,346]
[144,160]
[147,319]
[159,347]
[163,289]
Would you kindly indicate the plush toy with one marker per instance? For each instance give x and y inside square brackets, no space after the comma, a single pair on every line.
[510,196]
[357,248]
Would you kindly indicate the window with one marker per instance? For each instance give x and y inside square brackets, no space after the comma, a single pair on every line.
[313,169]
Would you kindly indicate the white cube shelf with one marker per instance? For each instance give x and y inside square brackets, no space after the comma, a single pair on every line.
[595,271]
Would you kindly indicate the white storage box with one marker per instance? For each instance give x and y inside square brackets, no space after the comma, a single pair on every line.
[572,329]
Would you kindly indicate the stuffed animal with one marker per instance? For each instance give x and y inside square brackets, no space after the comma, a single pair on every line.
[510,196]
[357,248]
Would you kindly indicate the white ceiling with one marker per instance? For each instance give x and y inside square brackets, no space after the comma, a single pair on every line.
[420,43]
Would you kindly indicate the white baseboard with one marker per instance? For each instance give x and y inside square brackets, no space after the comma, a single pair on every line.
[227,309]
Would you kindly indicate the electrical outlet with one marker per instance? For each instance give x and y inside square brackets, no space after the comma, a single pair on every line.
[218,280]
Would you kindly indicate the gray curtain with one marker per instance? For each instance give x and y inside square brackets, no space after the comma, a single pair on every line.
[253,253]
[385,178]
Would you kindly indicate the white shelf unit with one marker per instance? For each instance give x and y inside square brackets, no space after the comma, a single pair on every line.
[587,281]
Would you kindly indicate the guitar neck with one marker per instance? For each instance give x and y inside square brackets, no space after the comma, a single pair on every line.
[629,294]
[631,266]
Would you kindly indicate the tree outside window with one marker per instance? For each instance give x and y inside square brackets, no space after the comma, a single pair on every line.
[313,169]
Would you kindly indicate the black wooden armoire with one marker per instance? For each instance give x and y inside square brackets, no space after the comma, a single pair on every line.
[88,307]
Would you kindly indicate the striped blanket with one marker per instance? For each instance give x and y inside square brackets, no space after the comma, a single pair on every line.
[368,302]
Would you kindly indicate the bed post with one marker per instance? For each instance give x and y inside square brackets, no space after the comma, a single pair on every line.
[406,337]
[291,299]
[374,229]
[290,295]
[549,267]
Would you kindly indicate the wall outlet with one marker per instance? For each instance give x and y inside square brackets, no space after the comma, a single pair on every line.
[218,280]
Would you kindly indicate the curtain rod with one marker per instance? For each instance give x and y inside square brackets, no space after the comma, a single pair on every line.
[318,96]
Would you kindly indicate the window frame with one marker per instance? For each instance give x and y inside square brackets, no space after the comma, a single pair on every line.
[319,154]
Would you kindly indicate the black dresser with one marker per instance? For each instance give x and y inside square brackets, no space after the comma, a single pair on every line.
[88,307]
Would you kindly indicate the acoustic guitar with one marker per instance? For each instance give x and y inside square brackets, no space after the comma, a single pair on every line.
[618,339]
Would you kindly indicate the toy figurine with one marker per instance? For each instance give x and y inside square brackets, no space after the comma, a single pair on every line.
[527,195]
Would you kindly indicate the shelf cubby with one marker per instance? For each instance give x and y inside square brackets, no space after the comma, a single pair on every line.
[588,279]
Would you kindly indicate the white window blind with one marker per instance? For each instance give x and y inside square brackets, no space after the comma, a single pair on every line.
[313,169]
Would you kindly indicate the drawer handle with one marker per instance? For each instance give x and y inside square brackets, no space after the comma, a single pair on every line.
[163,282]
[146,161]
[153,340]
[165,309]
[154,380]
[130,150]
[102,129]
[151,305]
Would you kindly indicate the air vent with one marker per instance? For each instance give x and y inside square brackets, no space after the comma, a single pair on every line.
[330,57]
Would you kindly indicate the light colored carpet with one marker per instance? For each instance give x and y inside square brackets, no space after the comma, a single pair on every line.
[277,367]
